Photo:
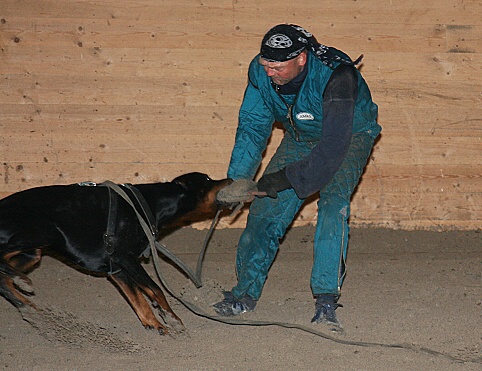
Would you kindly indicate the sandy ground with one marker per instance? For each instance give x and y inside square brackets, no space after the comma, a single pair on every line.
[412,301]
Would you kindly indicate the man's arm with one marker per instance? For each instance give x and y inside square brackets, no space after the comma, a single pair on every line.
[254,128]
[312,173]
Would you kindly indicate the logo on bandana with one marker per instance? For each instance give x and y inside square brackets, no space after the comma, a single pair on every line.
[304,116]
[279,41]
[303,31]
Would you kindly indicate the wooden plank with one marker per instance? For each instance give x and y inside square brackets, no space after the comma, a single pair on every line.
[65,89]
[110,146]
[70,34]
[376,184]
[16,176]
[206,91]
[109,142]
[93,147]
[396,119]
[109,10]
[432,68]
[427,211]
[454,77]
[421,179]
[403,177]
[442,95]
[248,11]
[188,63]
[158,120]
[124,62]
[429,150]
[312,14]
[426,207]
[399,120]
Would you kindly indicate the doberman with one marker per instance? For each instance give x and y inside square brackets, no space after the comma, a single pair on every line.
[69,222]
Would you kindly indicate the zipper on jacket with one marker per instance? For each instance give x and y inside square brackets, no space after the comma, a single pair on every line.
[289,115]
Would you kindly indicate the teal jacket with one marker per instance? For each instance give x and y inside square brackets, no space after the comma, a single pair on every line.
[262,106]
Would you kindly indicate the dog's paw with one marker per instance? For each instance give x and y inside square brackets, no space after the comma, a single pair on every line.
[24,284]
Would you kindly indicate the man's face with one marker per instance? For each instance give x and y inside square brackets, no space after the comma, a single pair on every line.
[283,72]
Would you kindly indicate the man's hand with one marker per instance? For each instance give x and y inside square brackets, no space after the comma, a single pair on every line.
[273,183]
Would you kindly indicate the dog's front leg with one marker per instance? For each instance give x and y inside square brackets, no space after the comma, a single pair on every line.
[136,299]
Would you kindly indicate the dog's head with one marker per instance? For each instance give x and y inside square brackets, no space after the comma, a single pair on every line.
[198,201]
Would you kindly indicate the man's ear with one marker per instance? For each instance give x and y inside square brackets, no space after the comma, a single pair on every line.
[302,58]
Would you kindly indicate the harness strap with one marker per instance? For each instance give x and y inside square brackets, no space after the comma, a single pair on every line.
[150,233]
[146,210]
[111,222]
[109,235]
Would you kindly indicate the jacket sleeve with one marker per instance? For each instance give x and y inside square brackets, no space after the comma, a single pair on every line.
[312,173]
[254,129]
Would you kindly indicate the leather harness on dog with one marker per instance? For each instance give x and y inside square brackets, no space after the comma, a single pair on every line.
[138,200]
[109,234]
[111,223]
[148,223]
[111,226]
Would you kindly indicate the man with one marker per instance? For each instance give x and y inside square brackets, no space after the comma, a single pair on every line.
[326,109]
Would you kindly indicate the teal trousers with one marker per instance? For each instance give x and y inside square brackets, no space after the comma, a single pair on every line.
[269,218]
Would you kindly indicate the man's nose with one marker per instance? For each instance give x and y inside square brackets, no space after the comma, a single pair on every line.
[270,72]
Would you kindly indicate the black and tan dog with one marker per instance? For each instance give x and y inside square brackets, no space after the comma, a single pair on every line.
[70,223]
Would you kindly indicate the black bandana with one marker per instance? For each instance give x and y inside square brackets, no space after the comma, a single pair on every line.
[286,41]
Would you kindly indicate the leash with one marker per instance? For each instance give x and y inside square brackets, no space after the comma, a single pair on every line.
[196,278]
[199,266]
[237,321]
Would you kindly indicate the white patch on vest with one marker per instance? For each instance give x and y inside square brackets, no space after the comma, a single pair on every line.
[304,116]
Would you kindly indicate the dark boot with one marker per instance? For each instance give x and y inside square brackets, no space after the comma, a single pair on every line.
[231,306]
[325,307]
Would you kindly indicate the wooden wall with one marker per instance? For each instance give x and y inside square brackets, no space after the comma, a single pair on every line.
[144,90]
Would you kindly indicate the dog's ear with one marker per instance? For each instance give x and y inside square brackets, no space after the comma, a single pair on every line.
[180,182]
[192,181]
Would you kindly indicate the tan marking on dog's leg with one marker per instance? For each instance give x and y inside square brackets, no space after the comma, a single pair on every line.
[140,306]
[27,265]
[19,300]
[14,277]
[157,296]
